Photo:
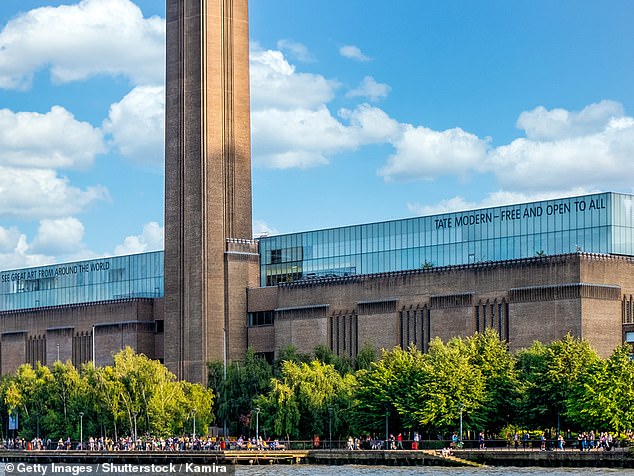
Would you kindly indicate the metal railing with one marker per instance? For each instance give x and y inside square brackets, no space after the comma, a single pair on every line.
[570,444]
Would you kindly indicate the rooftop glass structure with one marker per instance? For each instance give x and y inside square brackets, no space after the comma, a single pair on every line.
[599,223]
[104,279]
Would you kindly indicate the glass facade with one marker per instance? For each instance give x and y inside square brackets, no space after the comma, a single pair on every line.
[599,223]
[103,279]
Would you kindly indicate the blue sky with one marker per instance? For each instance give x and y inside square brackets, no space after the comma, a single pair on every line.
[361,111]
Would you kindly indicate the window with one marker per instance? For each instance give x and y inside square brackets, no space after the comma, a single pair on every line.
[261,318]
[276,256]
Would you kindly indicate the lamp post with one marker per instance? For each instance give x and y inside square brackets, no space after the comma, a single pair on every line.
[224,374]
[81,430]
[194,433]
[460,440]
[387,433]
[257,425]
[330,427]
[134,414]
[94,349]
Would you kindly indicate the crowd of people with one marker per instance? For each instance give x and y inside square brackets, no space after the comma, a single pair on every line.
[376,443]
[129,443]
[583,441]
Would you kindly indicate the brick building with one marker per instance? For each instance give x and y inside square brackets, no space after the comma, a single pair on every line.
[534,271]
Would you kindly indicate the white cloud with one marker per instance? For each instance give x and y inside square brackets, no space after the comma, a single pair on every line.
[353,52]
[150,239]
[37,193]
[291,125]
[8,238]
[370,89]
[306,138]
[541,124]
[18,255]
[591,149]
[52,140]
[299,138]
[563,150]
[83,40]
[137,125]
[297,50]
[425,154]
[261,228]
[56,240]
[59,236]
[371,125]
[276,84]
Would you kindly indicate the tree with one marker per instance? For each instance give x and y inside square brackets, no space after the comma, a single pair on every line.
[366,355]
[64,394]
[28,394]
[418,391]
[140,378]
[344,365]
[298,403]
[198,401]
[446,383]
[51,400]
[383,390]
[550,373]
[245,380]
[603,396]
[290,354]
[502,387]
[106,391]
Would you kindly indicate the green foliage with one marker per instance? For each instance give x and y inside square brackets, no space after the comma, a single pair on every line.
[29,394]
[288,354]
[343,365]
[550,373]
[365,357]
[384,390]
[449,381]
[306,400]
[246,379]
[50,401]
[502,387]
[477,376]
[603,397]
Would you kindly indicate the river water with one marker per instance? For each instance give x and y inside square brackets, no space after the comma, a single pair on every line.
[352,470]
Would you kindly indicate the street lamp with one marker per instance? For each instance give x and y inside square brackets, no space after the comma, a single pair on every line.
[330,427]
[134,414]
[94,349]
[387,433]
[257,425]
[460,440]
[81,430]
[194,434]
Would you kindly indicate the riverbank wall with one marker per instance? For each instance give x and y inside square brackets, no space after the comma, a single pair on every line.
[618,458]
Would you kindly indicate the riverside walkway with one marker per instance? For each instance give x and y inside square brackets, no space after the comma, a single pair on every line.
[617,458]
[328,457]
